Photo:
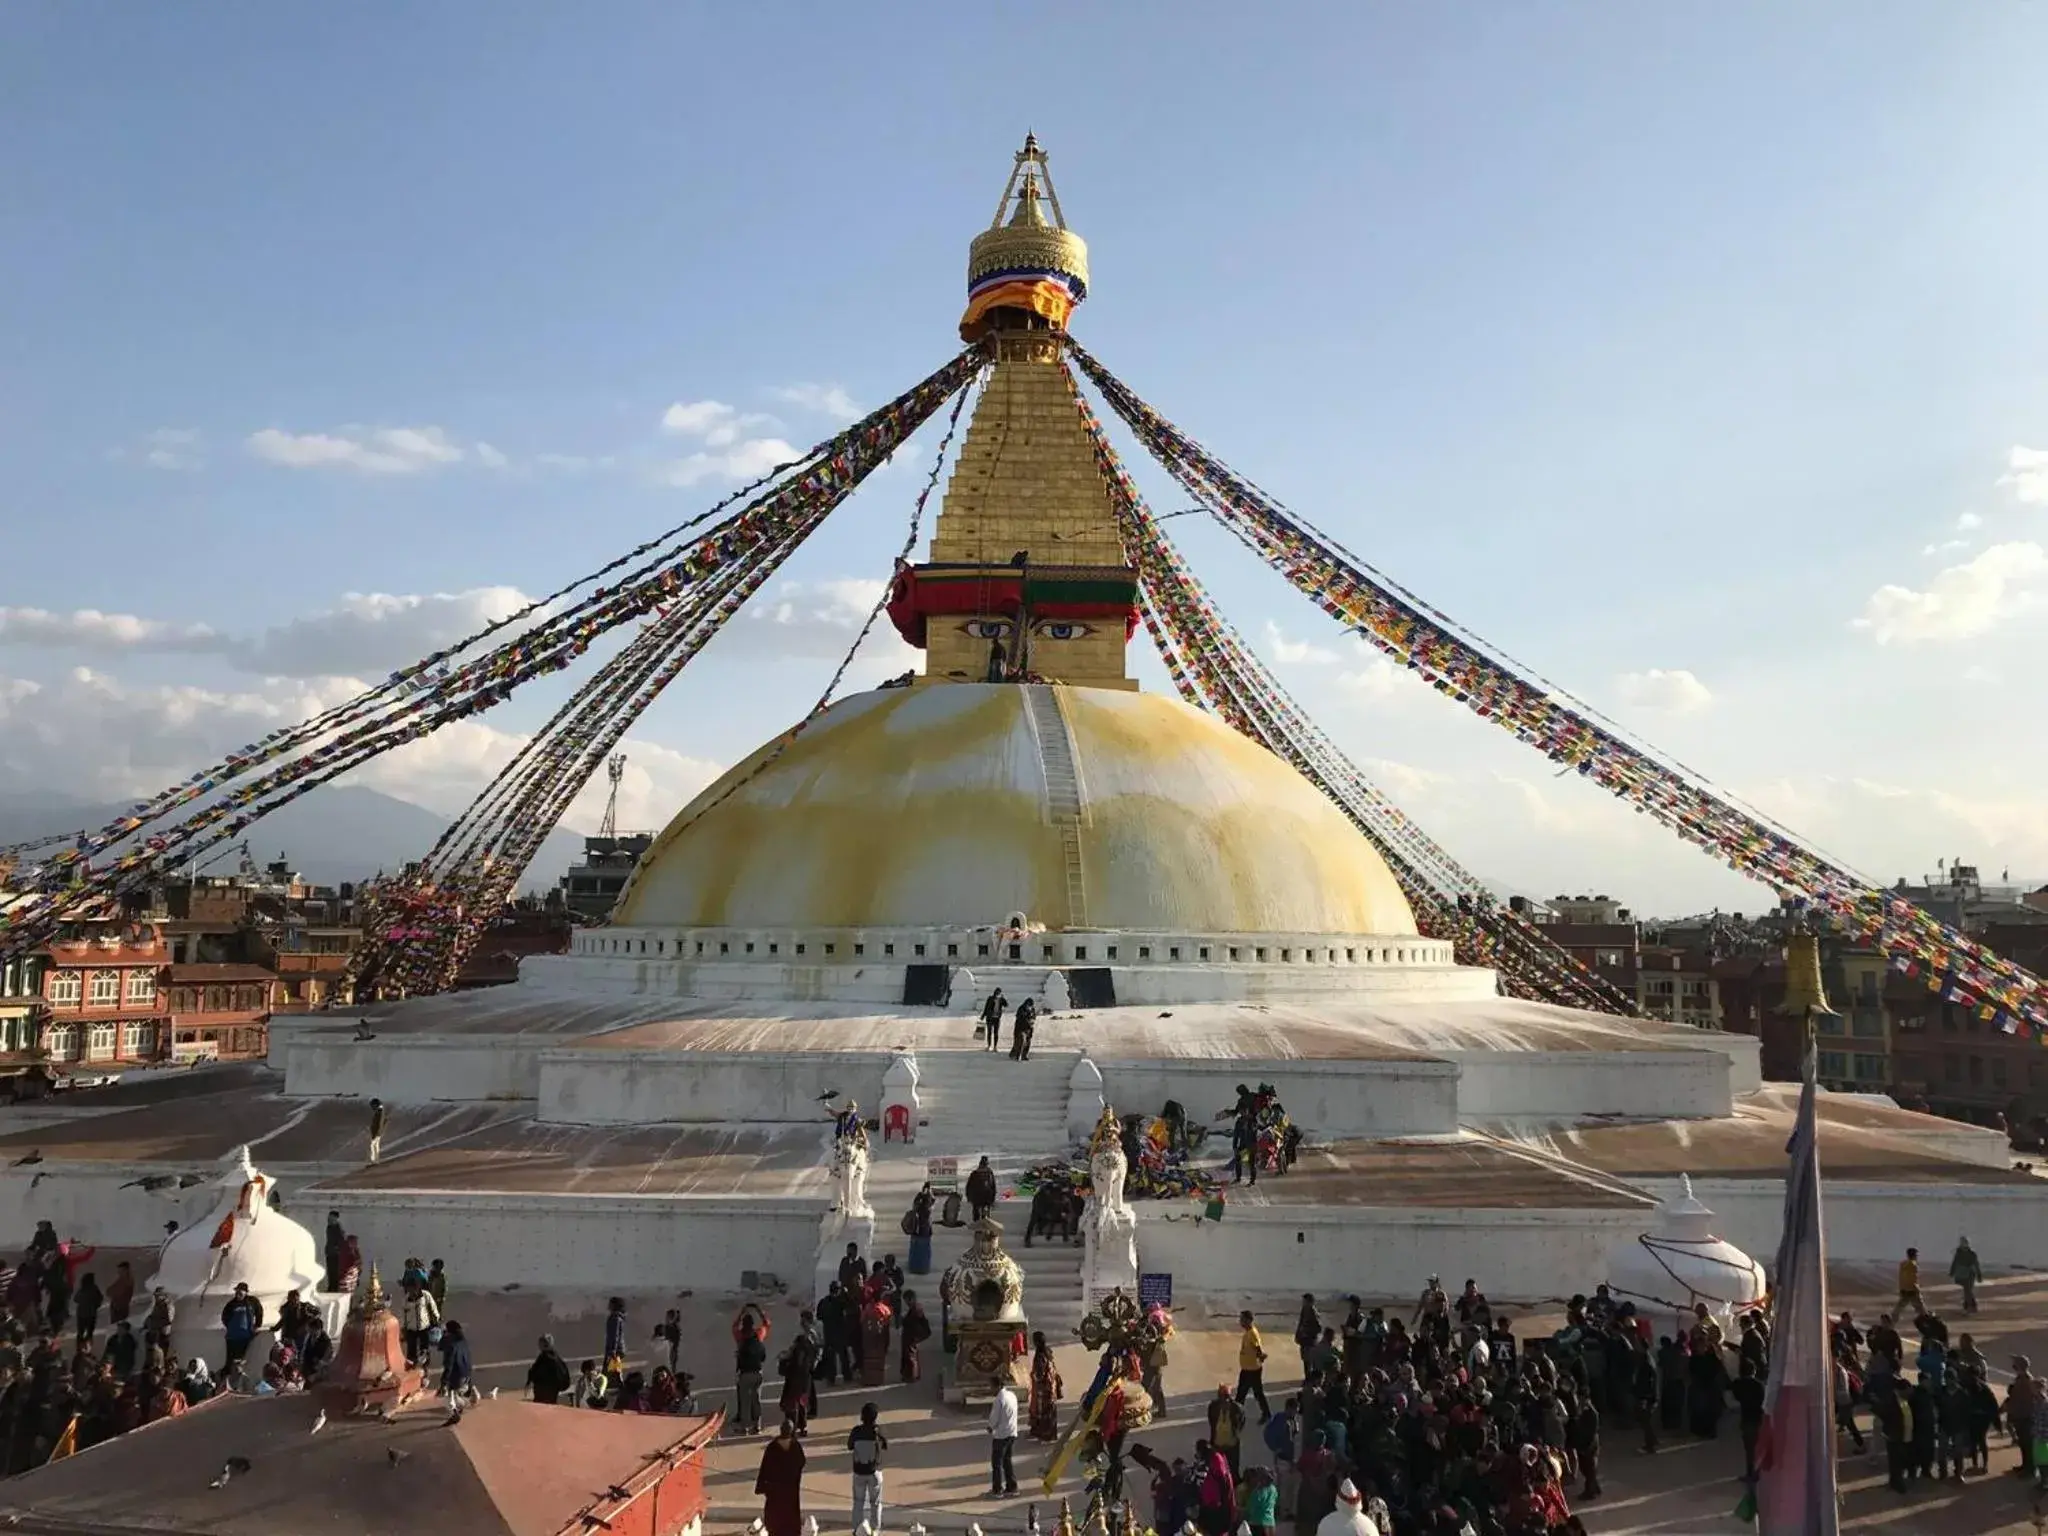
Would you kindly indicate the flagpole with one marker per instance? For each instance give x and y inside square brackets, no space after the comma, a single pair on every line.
[1795,1492]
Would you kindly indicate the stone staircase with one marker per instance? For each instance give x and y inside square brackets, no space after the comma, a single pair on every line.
[980,1103]
[1062,792]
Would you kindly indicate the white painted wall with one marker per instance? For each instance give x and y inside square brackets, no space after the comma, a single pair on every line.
[1326,1098]
[1499,1085]
[86,1200]
[415,1069]
[1870,1223]
[1271,1251]
[591,1243]
[630,1087]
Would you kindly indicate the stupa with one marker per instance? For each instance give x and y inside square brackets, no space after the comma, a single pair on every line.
[242,1240]
[1189,911]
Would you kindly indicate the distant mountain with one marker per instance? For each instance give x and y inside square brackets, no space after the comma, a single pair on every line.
[338,832]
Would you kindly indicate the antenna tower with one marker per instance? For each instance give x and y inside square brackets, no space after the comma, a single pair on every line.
[616,768]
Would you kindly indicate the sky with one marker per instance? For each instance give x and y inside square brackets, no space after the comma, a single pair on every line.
[1694,355]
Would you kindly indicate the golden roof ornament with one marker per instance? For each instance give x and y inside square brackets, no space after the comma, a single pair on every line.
[1027,270]
[371,1302]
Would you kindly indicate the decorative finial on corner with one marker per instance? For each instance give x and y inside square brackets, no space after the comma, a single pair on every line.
[1685,1185]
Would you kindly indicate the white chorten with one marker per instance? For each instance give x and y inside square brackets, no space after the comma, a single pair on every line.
[242,1240]
[1681,1262]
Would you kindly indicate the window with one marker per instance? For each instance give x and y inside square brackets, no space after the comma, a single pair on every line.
[1173,953]
[1080,951]
[1869,1069]
[1834,1064]
[100,1045]
[1952,1068]
[799,949]
[66,987]
[1976,1070]
[1828,1023]
[1144,952]
[750,946]
[1998,1071]
[64,1042]
[861,949]
[14,1033]
[1869,1022]
[1205,952]
[775,947]
[953,950]
[138,1039]
[918,950]
[887,950]
[105,987]
[141,987]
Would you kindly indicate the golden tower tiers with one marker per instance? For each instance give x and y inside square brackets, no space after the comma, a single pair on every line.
[1027,579]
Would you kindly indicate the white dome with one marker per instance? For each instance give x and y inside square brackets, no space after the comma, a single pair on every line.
[1682,1263]
[241,1241]
[910,807]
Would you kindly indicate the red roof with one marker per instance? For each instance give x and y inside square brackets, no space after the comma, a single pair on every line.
[511,1468]
[203,972]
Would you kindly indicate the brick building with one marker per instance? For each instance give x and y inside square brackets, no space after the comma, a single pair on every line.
[220,1011]
[103,984]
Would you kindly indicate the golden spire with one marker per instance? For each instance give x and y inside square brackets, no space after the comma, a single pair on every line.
[1025,271]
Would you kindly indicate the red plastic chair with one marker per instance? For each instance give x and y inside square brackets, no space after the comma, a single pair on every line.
[896,1118]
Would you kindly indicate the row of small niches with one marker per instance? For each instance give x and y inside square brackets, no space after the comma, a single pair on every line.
[1425,954]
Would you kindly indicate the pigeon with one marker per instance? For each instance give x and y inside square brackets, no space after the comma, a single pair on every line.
[187,1180]
[454,1415]
[30,1160]
[811,1526]
[32,1183]
[828,1095]
[319,1422]
[494,1394]
[394,1455]
[151,1183]
[757,1527]
[617,1493]
[234,1464]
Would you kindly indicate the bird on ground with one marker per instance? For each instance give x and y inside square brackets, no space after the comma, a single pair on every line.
[151,1182]
[187,1180]
[235,1464]
[394,1455]
[319,1422]
[30,1160]
[32,1183]
[494,1394]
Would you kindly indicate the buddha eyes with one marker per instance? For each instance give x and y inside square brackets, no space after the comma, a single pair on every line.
[1044,629]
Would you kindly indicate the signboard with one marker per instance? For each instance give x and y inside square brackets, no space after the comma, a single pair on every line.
[1155,1291]
[943,1174]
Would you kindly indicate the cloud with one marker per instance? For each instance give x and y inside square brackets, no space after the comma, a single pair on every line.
[370,633]
[365,450]
[746,461]
[1672,691]
[1968,521]
[572,463]
[2026,471]
[104,740]
[1961,601]
[727,454]
[816,621]
[712,422]
[88,629]
[490,457]
[827,400]
[1296,652]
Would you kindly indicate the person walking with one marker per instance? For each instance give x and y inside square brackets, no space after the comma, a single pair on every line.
[239,1320]
[1022,1029]
[378,1117]
[458,1375]
[120,1295]
[749,1359]
[1002,1443]
[420,1319]
[87,1300]
[1226,1430]
[865,1444]
[1964,1270]
[1909,1285]
[981,1189]
[917,1327]
[1046,1390]
[992,1019]
[548,1377]
[917,1226]
[780,1483]
[1251,1365]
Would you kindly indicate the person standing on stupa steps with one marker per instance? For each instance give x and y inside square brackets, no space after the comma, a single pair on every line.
[1021,1030]
[377,1119]
[992,1018]
[335,1238]
[981,1189]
